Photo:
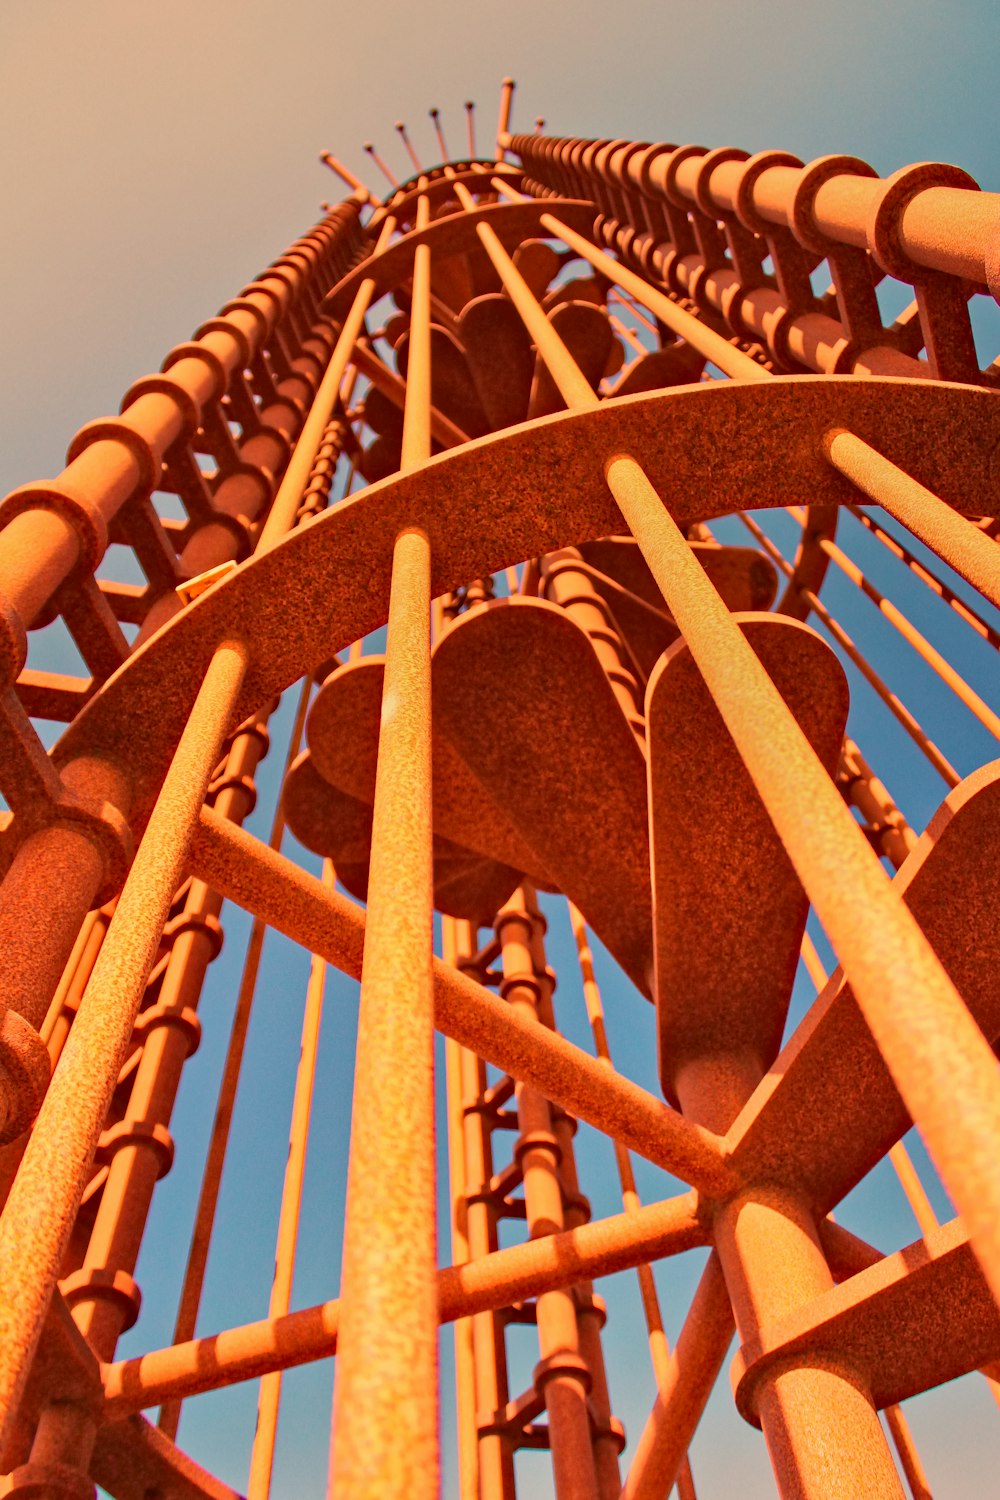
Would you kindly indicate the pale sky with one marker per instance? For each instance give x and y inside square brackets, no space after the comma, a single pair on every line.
[157,157]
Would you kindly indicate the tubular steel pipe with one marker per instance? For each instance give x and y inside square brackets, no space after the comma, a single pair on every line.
[658,1347]
[974,556]
[269,1397]
[281,517]
[490,1392]
[607,1433]
[684,1390]
[204,1219]
[891,700]
[562,1378]
[296,904]
[822,1430]
[941,1063]
[385,1439]
[38,1218]
[490,1281]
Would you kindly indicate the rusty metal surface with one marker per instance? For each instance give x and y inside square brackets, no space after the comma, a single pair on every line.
[590,359]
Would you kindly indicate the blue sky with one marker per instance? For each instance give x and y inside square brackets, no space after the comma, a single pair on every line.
[157,158]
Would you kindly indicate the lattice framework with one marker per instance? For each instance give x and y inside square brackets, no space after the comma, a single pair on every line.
[582,691]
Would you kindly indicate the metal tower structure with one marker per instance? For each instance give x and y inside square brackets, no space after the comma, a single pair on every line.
[515,411]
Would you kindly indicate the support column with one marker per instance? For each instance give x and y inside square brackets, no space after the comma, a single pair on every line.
[562,1378]
[386,1390]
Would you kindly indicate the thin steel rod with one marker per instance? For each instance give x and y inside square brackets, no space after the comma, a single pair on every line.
[294,902]
[908,631]
[973,555]
[628,334]
[385,379]
[385,1409]
[572,384]
[681,1399]
[492,1281]
[659,1349]
[892,701]
[38,1219]
[281,517]
[269,1396]
[940,1060]
[909,1458]
[928,577]
[614,295]
[435,115]
[204,1219]
[414,158]
[390,177]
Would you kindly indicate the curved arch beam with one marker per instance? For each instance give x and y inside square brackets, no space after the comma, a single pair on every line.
[401,202]
[709,450]
[453,235]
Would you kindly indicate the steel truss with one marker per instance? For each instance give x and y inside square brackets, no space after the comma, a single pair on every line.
[594,350]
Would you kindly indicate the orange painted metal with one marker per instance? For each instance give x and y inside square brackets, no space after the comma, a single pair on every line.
[616,712]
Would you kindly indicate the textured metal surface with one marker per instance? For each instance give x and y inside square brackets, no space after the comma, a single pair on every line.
[590,354]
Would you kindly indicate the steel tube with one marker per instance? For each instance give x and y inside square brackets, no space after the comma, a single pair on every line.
[973,555]
[459,1184]
[562,1379]
[281,517]
[38,1218]
[490,1281]
[892,701]
[940,1060]
[269,1397]
[385,1409]
[296,904]
[684,1391]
